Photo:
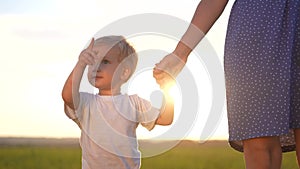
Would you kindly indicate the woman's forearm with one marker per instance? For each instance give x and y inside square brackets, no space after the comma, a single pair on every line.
[206,14]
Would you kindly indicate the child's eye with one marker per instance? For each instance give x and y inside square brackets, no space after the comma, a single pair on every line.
[105,61]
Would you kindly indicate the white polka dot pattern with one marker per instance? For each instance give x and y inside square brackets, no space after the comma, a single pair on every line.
[262,70]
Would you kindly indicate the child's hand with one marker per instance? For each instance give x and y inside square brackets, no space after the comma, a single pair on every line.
[164,79]
[87,56]
[171,64]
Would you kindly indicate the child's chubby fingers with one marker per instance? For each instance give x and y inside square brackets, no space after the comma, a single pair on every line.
[87,57]
[158,74]
[157,71]
[161,74]
[91,45]
[160,77]
[163,79]
[160,82]
[89,60]
[90,53]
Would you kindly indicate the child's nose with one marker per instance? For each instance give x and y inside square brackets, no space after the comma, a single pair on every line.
[95,67]
[98,68]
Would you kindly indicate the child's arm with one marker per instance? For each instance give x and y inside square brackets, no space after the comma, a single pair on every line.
[70,92]
[167,109]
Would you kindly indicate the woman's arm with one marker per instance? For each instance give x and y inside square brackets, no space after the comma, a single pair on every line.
[206,14]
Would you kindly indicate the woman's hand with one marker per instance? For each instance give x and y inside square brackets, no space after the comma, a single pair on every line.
[168,68]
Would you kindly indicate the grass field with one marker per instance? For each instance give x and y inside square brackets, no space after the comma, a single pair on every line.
[186,155]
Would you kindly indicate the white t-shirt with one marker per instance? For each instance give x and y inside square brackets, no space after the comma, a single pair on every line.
[108,129]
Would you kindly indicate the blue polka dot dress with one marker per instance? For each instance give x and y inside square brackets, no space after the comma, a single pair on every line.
[262,71]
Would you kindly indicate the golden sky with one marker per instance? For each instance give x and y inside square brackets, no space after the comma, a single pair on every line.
[40,42]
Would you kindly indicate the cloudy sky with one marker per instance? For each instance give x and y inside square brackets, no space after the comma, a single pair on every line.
[40,42]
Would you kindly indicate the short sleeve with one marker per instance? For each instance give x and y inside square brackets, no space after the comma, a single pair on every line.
[76,115]
[69,112]
[146,113]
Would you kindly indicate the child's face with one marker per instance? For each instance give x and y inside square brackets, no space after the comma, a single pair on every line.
[105,75]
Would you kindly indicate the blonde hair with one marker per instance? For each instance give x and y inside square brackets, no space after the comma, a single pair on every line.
[127,51]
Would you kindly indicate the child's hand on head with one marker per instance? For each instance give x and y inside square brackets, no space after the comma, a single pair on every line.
[87,56]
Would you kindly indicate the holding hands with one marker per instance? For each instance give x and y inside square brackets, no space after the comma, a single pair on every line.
[167,69]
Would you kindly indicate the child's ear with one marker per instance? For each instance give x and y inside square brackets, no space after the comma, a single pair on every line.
[126,73]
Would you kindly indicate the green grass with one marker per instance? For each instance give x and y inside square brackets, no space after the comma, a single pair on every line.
[187,155]
[196,156]
[217,155]
[40,158]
